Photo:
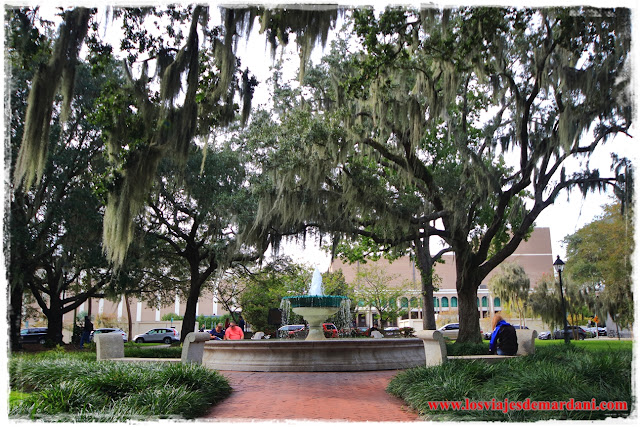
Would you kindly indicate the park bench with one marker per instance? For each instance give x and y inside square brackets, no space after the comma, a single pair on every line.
[436,349]
[111,347]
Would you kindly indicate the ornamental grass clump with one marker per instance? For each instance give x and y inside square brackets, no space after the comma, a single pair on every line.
[555,373]
[71,390]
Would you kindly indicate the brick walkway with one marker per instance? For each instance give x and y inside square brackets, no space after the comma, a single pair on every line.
[328,396]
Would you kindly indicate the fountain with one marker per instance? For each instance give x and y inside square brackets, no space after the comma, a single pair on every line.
[315,353]
[315,307]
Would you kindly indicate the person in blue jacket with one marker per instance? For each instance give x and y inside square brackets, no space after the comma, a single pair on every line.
[504,341]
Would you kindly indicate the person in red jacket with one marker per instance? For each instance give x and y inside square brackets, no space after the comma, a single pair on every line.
[233,332]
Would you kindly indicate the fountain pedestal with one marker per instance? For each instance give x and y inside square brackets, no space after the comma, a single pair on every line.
[315,316]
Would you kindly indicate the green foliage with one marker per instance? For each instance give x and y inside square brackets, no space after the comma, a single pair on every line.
[171,316]
[599,258]
[553,373]
[266,287]
[73,390]
[512,286]
[467,348]
[375,288]
[152,351]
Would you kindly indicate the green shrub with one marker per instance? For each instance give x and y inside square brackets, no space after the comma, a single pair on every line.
[553,373]
[467,348]
[155,351]
[73,390]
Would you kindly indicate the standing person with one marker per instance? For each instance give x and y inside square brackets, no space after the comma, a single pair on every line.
[233,332]
[86,331]
[241,324]
[218,332]
[504,341]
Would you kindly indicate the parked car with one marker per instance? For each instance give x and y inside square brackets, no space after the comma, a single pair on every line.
[602,332]
[591,331]
[330,330]
[108,331]
[290,331]
[33,336]
[391,331]
[580,333]
[546,335]
[450,330]
[165,335]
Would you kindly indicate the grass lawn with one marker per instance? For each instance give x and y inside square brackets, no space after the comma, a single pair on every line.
[74,387]
[586,371]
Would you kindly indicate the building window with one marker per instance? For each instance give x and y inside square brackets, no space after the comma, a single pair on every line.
[404,302]
[496,302]
[454,302]
[413,302]
[436,303]
[445,302]
[484,302]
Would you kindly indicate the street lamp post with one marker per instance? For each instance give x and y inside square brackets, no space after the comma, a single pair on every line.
[558,265]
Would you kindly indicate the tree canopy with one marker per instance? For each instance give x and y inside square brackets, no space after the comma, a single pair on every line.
[599,258]
[471,112]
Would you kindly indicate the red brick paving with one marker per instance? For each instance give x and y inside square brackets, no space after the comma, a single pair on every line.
[325,396]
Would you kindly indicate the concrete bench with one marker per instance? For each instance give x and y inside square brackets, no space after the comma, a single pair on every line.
[109,346]
[193,347]
[436,349]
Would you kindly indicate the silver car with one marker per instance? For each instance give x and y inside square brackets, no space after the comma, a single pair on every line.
[450,330]
[165,335]
[108,331]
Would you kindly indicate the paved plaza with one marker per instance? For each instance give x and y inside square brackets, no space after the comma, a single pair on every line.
[317,396]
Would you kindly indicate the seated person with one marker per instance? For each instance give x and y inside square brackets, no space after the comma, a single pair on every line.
[504,341]
[233,332]
[218,332]
[373,328]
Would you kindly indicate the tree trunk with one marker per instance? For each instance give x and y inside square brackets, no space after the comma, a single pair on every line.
[54,319]
[425,266]
[15,316]
[189,319]
[467,284]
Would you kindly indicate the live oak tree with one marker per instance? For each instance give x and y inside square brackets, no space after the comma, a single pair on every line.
[506,96]
[179,86]
[53,227]
[196,215]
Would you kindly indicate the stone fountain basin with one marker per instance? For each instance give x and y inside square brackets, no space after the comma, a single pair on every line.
[333,355]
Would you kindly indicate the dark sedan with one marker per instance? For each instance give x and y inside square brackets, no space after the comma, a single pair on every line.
[575,332]
[33,336]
